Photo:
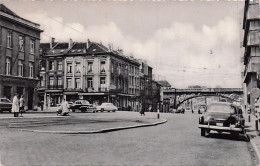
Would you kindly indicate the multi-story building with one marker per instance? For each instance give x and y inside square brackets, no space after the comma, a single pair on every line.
[92,72]
[19,56]
[251,27]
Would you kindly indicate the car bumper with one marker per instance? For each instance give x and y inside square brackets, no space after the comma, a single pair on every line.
[221,128]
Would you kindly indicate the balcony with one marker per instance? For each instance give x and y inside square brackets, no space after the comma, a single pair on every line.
[102,89]
[55,86]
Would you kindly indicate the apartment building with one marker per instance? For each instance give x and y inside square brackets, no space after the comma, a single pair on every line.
[251,27]
[90,71]
[19,56]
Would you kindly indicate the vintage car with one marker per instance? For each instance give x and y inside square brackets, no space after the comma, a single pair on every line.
[5,105]
[82,105]
[222,117]
[106,107]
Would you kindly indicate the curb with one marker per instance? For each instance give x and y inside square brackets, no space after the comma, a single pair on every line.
[97,131]
[255,149]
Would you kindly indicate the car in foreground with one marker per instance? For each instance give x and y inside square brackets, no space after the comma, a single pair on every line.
[5,105]
[106,107]
[222,117]
[82,105]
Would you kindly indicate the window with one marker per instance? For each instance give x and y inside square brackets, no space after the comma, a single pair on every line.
[102,80]
[90,66]
[30,69]
[102,66]
[59,81]
[69,67]
[112,67]
[42,82]
[51,80]
[119,68]
[7,66]
[51,65]
[21,43]
[90,82]
[9,39]
[77,67]
[69,83]
[77,83]
[32,43]
[20,68]
[59,65]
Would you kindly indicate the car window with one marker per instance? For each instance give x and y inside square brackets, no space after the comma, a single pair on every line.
[5,100]
[85,102]
[221,108]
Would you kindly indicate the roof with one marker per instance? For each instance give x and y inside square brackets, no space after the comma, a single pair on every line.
[78,48]
[7,11]
[164,83]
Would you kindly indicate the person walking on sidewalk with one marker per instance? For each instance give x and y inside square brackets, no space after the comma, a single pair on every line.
[15,106]
[65,107]
[21,106]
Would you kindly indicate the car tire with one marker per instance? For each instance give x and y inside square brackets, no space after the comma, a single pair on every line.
[73,110]
[114,111]
[203,132]
[102,110]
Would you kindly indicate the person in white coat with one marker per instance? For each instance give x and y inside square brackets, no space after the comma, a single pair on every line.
[15,106]
[64,107]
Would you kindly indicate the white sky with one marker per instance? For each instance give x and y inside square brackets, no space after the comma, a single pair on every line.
[175,37]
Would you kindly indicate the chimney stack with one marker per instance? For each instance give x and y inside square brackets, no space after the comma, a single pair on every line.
[70,43]
[88,43]
[52,42]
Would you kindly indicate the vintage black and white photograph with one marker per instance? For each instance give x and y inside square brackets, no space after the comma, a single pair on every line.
[129,82]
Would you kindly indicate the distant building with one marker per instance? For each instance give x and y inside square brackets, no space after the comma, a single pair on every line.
[19,56]
[92,72]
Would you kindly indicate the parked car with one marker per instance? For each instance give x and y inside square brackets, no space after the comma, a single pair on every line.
[82,105]
[222,117]
[5,105]
[106,107]
[180,110]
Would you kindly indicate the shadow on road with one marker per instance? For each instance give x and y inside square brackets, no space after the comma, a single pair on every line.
[228,137]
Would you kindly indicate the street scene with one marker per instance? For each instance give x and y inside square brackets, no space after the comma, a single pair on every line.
[129,83]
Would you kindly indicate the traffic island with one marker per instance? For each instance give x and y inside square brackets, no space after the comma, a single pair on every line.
[105,130]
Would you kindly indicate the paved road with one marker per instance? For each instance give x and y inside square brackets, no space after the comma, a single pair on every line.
[177,142]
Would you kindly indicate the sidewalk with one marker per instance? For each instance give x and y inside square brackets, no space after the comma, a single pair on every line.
[253,134]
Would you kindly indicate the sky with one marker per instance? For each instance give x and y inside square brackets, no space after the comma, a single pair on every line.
[186,42]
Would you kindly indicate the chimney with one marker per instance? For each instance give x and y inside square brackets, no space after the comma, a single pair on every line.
[88,44]
[70,43]
[120,51]
[52,42]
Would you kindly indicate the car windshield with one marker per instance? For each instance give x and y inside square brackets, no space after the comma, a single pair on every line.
[221,108]
[85,102]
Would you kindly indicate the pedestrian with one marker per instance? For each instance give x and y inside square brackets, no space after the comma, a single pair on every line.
[142,112]
[41,105]
[15,106]
[64,107]
[21,106]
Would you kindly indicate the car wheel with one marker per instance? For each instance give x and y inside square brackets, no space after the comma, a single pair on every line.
[83,110]
[114,110]
[102,110]
[203,132]
[73,110]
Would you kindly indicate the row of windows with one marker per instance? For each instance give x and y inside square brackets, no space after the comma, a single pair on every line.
[20,68]
[89,68]
[51,65]
[89,82]
[21,42]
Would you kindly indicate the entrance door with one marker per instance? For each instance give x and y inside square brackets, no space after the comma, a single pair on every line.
[20,90]
[30,98]
[7,92]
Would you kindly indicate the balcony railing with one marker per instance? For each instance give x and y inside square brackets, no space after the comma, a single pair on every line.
[55,86]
